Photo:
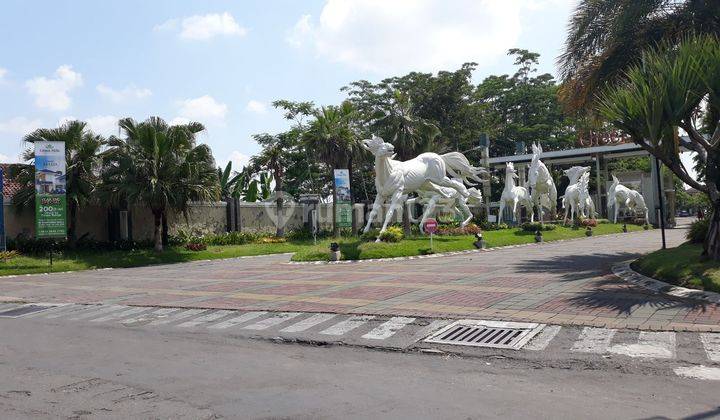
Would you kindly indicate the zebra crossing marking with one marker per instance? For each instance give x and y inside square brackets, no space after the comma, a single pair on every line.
[67,310]
[656,345]
[160,312]
[177,317]
[272,321]
[91,313]
[543,339]
[347,325]
[699,372]
[594,340]
[308,323]
[389,328]
[119,315]
[711,343]
[249,316]
[212,316]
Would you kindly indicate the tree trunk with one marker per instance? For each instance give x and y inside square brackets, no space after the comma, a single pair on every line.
[72,228]
[352,198]
[165,239]
[407,230]
[280,228]
[158,230]
[711,247]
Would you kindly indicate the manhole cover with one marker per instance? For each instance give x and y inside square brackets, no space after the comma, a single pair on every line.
[23,310]
[495,334]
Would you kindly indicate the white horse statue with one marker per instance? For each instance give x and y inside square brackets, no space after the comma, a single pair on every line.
[577,198]
[513,195]
[394,179]
[620,195]
[449,199]
[542,188]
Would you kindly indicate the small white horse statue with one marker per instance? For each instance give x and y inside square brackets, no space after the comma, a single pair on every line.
[542,187]
[394,179]
[513,195]
[447,198]
[577,199]
[620,195]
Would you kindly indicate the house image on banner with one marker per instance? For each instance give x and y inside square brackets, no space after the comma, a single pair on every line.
[49,182]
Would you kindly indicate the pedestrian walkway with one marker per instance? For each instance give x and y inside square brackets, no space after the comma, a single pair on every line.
[560,283]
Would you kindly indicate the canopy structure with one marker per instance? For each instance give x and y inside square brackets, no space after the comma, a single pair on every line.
[596,156]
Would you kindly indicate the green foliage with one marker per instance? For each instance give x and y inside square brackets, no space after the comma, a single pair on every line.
[698,231]
[392,234]
[537,226]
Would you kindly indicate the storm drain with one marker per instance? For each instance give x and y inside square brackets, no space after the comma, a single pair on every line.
[478,333]
[23,310]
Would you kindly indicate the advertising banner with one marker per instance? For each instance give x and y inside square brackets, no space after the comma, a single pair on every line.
[343,198]
[50,179]
[2,212]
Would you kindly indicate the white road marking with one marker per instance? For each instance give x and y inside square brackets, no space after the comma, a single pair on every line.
[594,340]
[543,339]
[212,316]
[430,328]
[348,325]
[119,315]
[177,316]
[711,342]
[308,323]
[237,320]
[275,319]
[389,328]
[97,312]
[660,345]
[699,372]
[161,313]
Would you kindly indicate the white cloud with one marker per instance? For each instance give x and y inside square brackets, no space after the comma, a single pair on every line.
[179,121]
[53,93]
[3,73]
[105,125]
[20,125]
[256,107]
[238,159]
[385,37]
[126,93]
[202,109]
[9,159]
[203,27]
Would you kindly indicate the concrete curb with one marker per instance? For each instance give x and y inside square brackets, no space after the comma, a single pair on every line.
[626,273]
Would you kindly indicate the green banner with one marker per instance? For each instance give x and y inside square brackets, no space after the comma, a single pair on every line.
[343,198]
[50,184]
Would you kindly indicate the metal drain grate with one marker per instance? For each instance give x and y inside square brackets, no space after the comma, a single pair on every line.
[23,310]
[495,334]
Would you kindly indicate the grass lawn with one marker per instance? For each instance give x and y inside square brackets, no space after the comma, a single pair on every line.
[681,266]
[352,248]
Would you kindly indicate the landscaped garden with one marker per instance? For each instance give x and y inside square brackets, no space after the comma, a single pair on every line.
[304,249]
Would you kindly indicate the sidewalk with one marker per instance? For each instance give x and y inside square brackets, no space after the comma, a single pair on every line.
[568,283]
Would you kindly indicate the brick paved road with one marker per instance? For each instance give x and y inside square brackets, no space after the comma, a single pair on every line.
[560,283]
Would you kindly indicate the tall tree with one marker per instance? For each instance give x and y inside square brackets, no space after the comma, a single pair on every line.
[330,138]
[663,93]
[607,36]
[83,162]
[272,158]
[161,167]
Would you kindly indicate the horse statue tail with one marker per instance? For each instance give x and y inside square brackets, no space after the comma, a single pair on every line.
[458,166]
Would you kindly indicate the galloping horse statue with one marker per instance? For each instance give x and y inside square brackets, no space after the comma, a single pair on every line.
[542,187]
[619,194]
[513,195]
[448,198]
[395,179]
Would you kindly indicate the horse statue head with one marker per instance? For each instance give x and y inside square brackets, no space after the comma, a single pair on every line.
[510,170]
[576,172]
[378,147]
[534,170]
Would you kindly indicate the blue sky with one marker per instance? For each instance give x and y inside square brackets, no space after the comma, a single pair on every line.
[223,62]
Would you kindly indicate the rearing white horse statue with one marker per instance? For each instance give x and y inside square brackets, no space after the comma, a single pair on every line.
[395,179]
[542,186]
[513,195]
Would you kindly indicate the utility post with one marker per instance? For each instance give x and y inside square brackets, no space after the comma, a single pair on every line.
[485,163]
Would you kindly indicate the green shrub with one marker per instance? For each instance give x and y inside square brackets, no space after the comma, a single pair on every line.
[392,234]
[370,235]
[535,226]
[698,231]
[603,221]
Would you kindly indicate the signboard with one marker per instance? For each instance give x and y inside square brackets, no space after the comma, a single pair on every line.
[2,213]
[343,198]
[50,181]
[430,226]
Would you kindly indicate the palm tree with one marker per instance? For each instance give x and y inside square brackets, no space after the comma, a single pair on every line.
[161,167]
[230,187]
[664,92]
[271,158]
[331,138]
[605,37]
[410,134]
[83,163]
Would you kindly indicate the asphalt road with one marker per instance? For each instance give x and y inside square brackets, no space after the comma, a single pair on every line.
[85,370]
